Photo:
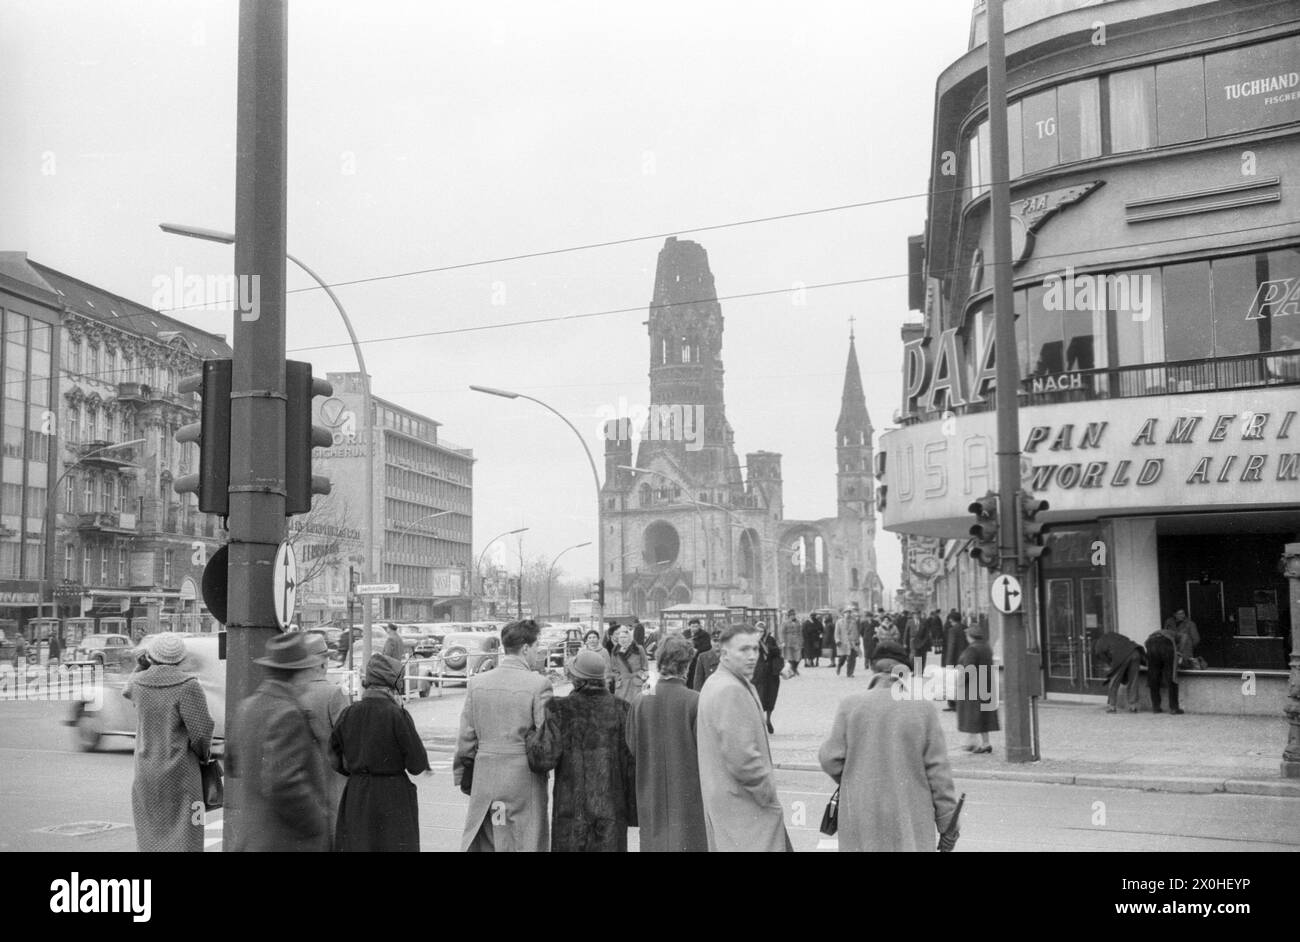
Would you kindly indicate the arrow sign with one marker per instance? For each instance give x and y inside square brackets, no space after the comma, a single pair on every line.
[285,570]
[1005,594]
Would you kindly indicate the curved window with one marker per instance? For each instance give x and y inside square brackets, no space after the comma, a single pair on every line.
[1174,102]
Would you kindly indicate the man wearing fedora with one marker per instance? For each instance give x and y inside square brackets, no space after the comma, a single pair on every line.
[282,794]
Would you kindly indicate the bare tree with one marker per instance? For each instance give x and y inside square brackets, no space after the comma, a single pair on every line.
[323,536]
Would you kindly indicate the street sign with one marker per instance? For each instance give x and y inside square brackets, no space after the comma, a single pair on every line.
[285,575]
[1005,593]
[378,588]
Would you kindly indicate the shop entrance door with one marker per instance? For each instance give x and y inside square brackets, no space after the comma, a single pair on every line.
[1074,616]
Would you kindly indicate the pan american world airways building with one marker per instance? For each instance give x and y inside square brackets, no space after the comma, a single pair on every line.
[1155,160]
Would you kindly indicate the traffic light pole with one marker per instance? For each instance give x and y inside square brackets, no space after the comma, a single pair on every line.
[257,409]
[1015,687]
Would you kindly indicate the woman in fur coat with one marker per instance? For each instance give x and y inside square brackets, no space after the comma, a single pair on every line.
[584,739]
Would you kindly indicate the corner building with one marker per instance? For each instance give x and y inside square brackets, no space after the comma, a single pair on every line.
[1155,156]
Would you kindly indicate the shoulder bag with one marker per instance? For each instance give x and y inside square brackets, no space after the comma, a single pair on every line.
[214,789]
[831,816]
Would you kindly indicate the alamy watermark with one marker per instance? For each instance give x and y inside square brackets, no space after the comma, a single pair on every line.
[956,682]
[660,423]
[1126,293]
[176,290]
[84,683]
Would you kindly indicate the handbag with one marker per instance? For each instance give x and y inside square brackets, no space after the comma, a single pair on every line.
[831,816]
[214,788]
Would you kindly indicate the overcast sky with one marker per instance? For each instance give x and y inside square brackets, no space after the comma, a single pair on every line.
[428,134]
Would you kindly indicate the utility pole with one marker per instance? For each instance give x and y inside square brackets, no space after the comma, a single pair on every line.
[1015,667]
[257,407]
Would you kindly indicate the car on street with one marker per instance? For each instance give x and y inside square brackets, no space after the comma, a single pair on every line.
[560,642]
[464,654]
[109,651]
[114,715]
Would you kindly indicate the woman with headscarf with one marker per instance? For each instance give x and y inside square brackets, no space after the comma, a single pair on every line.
[977,713]
[375,745]
[628,665]
[584,739]
[173,735]
[767,672]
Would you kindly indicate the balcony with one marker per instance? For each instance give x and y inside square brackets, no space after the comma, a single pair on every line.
[107,522]
[93,453]
[133,392]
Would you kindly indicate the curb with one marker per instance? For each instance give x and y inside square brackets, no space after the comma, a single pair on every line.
[1137,780]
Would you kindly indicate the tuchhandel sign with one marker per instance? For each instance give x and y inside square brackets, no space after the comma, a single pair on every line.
[1216,451]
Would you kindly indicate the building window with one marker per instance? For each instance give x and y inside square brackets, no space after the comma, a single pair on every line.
[88,495]
[69,494]
[1132,109]
[69,561]
[121,566]
[1180,101]
[103,565]
[1248,88]
[1189,330]
[74,423]
[1038,129]
[106,495]
[167,567]
[1079,120]
[92,360]
[85,565]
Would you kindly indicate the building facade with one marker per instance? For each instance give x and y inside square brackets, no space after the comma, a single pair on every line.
[1156,265]
[90,455]
[683,520]
[422,506]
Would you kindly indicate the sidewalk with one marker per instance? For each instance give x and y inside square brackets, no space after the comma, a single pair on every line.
[1080,743]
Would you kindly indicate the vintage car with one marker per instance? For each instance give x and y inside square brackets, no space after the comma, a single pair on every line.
[560,642]
[464,654]
[107,713]
[111,652]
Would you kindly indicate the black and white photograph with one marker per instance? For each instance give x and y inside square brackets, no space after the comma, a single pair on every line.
[687,427]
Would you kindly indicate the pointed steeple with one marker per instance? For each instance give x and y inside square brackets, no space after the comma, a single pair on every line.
[853,402]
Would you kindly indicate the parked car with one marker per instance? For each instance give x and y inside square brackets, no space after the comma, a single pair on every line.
[111,652]
[429,640]
[464,654]
[560,642]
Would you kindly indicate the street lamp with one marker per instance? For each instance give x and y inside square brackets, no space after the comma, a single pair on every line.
[478,566]
[51,512]
[595,475]
[368,519]
[551,572]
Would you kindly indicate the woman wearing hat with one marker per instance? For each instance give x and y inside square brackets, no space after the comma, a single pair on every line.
[977,713]
[627,662]
[767,673]
[590,642]
[375,744]
[173,734]
[791,641]
[584,739]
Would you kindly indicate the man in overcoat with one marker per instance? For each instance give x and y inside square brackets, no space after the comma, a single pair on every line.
[507,800]
[706,664]
[742,811]
[325,702]
[662,736]
[888,755]
[791,641]
[282,794]
[1123,658]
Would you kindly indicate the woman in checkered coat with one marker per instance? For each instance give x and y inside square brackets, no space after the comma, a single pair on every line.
[173,732]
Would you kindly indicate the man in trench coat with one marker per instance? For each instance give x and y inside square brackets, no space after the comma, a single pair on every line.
[889,757]
[507,800]
[742,811]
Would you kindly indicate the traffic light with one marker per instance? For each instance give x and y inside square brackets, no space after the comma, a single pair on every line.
[212,434]
[598,592]
[985,531]
[1031,531]
[300,437]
